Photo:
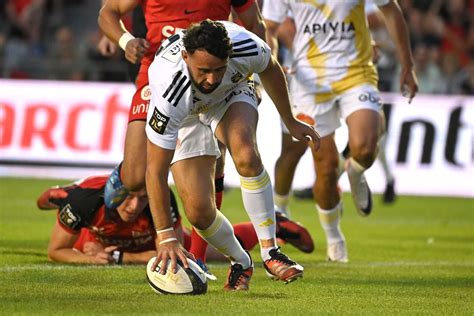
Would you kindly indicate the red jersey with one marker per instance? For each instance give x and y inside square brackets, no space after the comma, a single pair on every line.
[84,208]
[165,18]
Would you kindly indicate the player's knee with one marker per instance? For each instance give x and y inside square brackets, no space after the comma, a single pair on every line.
[365,155]
[133,181]
[201,216]
[248,162]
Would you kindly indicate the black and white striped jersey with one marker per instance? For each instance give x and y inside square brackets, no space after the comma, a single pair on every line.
[173,95]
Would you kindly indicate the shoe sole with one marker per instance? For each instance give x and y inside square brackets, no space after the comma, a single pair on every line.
[294,277]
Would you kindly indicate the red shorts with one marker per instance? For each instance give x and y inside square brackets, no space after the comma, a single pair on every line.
[141,98]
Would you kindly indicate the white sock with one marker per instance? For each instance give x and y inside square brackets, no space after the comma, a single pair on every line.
[354,169]
[221,236]
[258,202]
[281,204]
[329,220]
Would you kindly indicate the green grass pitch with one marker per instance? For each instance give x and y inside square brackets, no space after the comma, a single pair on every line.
[413,257]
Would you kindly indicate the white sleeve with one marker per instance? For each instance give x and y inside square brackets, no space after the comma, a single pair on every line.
[251,52]
[275,10]
[264,54]
[168,107]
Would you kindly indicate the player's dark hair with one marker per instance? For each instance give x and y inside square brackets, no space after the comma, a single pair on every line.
[210,36]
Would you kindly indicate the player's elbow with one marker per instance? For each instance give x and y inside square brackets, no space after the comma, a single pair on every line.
[52,256]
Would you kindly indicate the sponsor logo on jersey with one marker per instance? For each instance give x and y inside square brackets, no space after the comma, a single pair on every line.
[333,27]
[169,30]
[158,121]
[145,93]
[236,77]
[68,218]
[140,108]
[369,97]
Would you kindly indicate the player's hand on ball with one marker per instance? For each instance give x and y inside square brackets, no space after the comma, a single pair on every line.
[136,49]
[170,251]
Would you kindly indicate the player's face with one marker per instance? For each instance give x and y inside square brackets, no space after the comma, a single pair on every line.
[132,206]
[207,71]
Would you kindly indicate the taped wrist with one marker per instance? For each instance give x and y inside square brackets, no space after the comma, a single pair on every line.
[117,256]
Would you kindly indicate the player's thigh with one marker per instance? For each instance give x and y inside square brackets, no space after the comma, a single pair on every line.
[361,107]
[135,149]
[193,168]
[238,126]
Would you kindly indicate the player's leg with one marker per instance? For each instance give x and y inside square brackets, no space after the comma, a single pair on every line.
[130,174]
[193,169]
[327,198]
[389,194]
[194,179]
[237,129]
[198,245]
[361,110]
[291,153]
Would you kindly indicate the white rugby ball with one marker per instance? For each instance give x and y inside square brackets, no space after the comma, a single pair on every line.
[185,281]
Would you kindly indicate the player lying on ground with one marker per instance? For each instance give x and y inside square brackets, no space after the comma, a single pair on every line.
[88,232]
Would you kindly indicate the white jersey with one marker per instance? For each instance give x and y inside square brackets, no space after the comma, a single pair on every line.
[332,49]
[173,95]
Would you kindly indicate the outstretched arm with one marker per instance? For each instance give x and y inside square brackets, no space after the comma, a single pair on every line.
[252,20]
[167,244]
[398,30]
[60,249]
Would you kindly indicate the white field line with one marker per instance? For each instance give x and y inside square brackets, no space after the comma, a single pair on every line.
[402,264]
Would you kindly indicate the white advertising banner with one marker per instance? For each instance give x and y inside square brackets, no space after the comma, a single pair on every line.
[71,130]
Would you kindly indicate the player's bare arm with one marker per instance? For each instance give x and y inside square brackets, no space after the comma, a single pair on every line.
[271,36]
[274,82]
[252,20]
[398,30]
[60,249]
[110,24]
[167,244]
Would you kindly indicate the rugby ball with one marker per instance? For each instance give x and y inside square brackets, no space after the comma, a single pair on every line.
[190,280]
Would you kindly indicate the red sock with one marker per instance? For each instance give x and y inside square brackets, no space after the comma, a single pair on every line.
[186,239]
[219,184]
[246,234]
[198,246]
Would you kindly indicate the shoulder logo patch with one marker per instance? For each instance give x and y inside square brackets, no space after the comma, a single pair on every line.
[68,218]
[158,121]
[236,77]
